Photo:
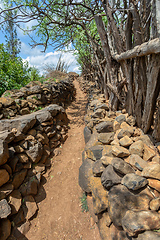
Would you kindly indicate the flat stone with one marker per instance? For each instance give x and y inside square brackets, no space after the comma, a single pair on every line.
[148,235]
[20,232]
[87,134]
[109,177]
[95,152]
[5,190]
[99,195]
[18,178]
[155,204]
[136,161]
[22,123]
[137,148]
[15,201]
[30,207]
[6,101]
[121,199]
[106,138]
[107,219]
[138,221]
[98,168]
[154,184]
[121,118]
[125,141]
[104,127]
[85,172]
[117,234]
[120,151]
[133,181]
[5,209]
[4,177]
[148,153]
[35,152]
[5,229]
[7,136]
[99,113]
[152,171]
[121,166]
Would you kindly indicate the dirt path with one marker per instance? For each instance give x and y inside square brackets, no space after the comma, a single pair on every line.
[60,215]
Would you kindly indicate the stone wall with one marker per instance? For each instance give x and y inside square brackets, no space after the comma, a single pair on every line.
[35,96]
[27,145]
[121,171]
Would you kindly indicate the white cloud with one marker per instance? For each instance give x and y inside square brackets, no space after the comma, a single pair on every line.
[39,59]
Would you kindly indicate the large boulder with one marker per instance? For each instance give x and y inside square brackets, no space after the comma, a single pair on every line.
[121,199]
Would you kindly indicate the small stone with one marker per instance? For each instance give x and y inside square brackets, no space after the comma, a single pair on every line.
[30,187]
[136,161]
[15,201]
[4,153]
[4,177]
[131,120]
[121,166]
[106,160]
[116,126]
[104,127]
[35,153]
[98,168]
[152,171]
[18,149]
[125,132]
[30,207]
[120,151]
[153,183]
[135,222]
[99,113]
[125,141]
[148,235]
[148,153]
[5,229]
[19,217]
[23,158]
[110,177]
[133,181]
[5,190]
[18,178]
[99,194]
[107,219]
[107,151]
[95,152]
[156,159]
[121,118]
[155,204]
[137,148]
[106,138]
[5,209]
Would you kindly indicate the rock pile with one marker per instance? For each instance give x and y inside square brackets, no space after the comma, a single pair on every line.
[121,170]
[36,96]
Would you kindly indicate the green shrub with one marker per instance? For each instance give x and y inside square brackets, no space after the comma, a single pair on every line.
[14,73]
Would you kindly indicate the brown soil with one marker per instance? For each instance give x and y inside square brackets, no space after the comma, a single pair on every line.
[60,215]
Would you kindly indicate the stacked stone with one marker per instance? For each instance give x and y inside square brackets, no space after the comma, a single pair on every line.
[121,170]
[35,96]
[26,144]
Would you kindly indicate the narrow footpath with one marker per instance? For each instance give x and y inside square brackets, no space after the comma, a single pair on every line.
[60,215]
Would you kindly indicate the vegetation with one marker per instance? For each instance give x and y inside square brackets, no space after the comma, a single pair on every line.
[84,204]
[14,73]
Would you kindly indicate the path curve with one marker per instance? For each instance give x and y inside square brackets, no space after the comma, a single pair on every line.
[60,216]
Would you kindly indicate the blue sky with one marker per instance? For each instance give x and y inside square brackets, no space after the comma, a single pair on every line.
[39,59]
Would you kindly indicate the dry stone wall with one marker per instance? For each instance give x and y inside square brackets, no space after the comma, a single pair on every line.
[35,96]
[27,144]
[121,171]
